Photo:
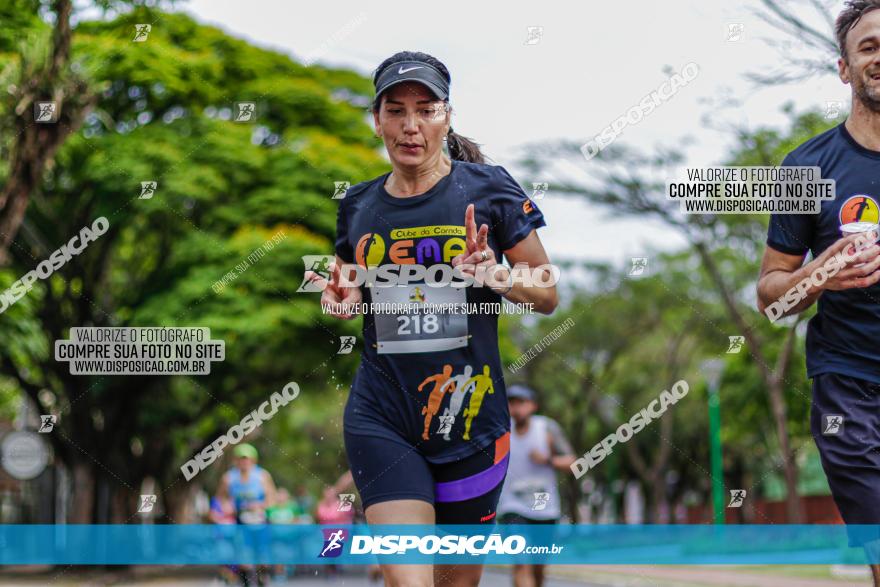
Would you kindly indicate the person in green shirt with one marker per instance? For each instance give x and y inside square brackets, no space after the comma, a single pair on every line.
[285,510]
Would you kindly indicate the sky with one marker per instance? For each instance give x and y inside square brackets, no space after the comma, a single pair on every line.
[591,63]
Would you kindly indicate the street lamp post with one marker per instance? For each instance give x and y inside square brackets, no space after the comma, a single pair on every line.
[712,370]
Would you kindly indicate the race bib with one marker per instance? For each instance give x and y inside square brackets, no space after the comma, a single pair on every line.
[527,488]
[252,517]
[419,318]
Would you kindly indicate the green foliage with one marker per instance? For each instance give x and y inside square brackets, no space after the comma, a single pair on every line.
[225,189]
[621,352]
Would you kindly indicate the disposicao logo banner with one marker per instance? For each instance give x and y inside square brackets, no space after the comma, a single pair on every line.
[472,544]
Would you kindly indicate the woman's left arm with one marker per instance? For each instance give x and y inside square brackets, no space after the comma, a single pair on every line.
[530,252]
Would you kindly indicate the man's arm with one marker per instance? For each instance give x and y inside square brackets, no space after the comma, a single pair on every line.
[269,489]
[781,273]
[562,454]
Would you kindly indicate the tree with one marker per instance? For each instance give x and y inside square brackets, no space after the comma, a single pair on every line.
[808,46]
[38,68]
[632,337]
[224,189]
[629,183]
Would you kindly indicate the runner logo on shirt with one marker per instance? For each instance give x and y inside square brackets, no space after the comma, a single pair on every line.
[457,386]
[859,208]
[370,250]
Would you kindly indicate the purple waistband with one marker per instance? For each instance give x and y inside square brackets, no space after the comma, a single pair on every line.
[473,486]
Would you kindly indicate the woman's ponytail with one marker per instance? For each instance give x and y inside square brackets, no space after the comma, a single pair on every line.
[463,149]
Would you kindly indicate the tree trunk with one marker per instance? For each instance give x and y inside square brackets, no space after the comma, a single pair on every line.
[792,501]
[123,507]
[178,504]
[572,486]
[34,145]
[83,493]
[659,500]
[773,379]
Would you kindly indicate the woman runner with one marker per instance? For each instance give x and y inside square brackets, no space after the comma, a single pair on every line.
[426,423]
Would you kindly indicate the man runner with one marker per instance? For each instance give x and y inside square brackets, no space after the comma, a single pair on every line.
[252,490]
[843,357]
[530,495]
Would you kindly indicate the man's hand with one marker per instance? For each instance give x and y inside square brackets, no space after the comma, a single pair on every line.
[337,291]
[540,458]
[849,276]
[782,273]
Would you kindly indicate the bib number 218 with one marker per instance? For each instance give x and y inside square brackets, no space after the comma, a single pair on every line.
[417,324]
[412,325]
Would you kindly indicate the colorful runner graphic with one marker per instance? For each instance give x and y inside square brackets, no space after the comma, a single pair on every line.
[483,383]
[436,397]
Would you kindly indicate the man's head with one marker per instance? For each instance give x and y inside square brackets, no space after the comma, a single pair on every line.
[245,456]
[858,39]
[522,403]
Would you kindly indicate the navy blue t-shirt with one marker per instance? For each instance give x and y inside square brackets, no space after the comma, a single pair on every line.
[842,337]
[435,383]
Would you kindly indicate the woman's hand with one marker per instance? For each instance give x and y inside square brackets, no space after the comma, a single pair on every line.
[339,298]
[479,260]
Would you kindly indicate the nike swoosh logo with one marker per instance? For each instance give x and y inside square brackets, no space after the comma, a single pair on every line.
[402,70]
